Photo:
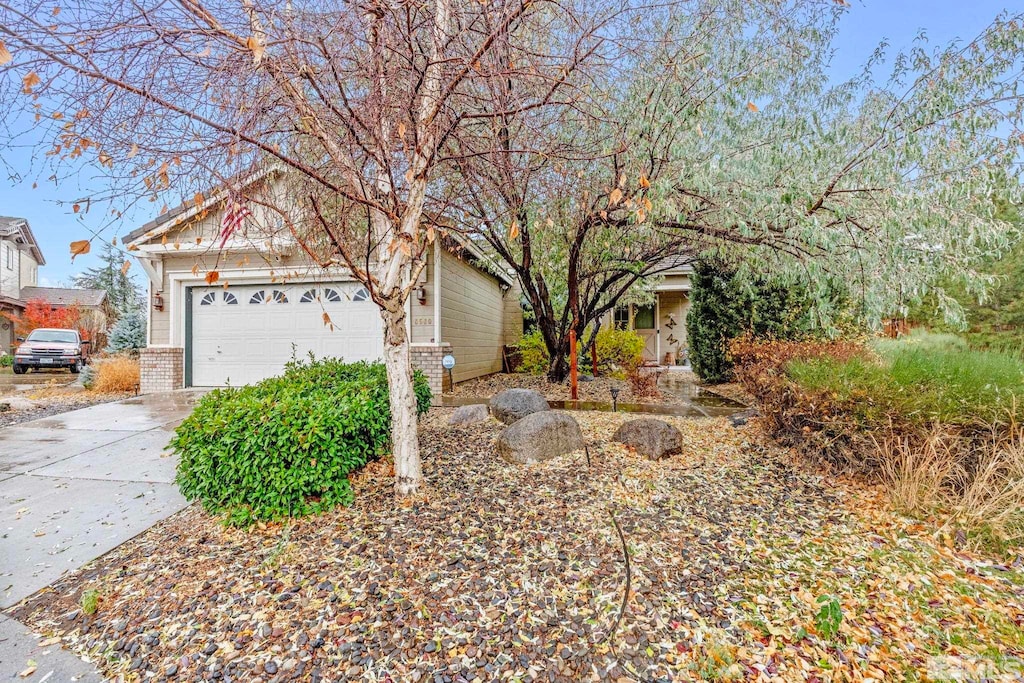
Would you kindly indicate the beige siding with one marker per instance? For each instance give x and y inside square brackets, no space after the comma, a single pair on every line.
[10,277]
[423,330]
[471,318]
[29,270]
[513,314]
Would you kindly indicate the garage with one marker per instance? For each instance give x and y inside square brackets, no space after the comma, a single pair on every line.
[245,333]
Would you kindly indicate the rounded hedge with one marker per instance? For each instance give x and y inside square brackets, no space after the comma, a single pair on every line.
[284,447]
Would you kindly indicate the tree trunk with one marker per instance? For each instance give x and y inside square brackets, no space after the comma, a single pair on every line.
[558,366]
[405,445]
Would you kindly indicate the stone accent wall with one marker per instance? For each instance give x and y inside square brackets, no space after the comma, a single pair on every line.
[427,357]
[161,369]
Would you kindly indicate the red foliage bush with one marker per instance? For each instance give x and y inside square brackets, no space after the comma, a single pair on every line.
[39,313]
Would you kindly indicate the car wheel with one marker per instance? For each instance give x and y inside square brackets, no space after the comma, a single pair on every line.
[19,370]
[75,367]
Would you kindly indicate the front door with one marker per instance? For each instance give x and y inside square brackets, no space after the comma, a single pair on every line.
[672,326]
[643,325]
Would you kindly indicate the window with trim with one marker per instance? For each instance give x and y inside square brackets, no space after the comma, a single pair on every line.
[361,294]
[10,257]
[258,297]
[230,299]
[208,299]
[279,297]
[643,318]
[621,317]
[332,295]
[308,297]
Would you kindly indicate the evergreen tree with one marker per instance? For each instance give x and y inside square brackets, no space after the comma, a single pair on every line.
[122,291]
[713,319]
[128,333]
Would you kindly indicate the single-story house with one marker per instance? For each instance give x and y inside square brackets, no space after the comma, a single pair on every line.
[268,304]
[662,323]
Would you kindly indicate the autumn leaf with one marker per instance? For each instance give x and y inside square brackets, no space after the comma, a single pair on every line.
[644,182]
[198,199]
[615,197]
[752,107]
[327,321]
[133,151]
[76,207]
[125,266]
[5,55]
[254,44]
[30,80]
[212,277]
[106,159]
[133,247]
[56,11]
[513,231]
[79,247]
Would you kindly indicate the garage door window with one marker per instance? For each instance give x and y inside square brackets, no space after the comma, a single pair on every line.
[230,299]
[308,297]
[208,299]
[332,295]
[361,295]
[260,297]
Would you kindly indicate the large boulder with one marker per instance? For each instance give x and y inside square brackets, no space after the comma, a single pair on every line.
[515,404]
[467,415]
[649,437]
[539,436]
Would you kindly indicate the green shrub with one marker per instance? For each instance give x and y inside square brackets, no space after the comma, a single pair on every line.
[617,351]
[6,360]
[533,354]
[713,320]
[285,447]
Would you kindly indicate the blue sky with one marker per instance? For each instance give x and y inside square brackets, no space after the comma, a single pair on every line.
[865,24]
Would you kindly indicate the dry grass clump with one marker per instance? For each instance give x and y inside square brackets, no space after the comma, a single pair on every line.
[116,374]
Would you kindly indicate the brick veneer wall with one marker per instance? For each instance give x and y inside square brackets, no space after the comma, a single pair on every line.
[427,357]
[161,369]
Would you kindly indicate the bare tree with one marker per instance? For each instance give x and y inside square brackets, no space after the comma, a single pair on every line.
[354,102]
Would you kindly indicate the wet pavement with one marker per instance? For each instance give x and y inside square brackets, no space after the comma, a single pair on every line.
[695,400]
[72,487]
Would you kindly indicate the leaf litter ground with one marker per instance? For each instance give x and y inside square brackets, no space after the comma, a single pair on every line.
[502,572]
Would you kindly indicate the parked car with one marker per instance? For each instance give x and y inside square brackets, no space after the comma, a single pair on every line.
[51,348]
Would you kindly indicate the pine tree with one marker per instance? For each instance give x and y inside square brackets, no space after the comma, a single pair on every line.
[122,290]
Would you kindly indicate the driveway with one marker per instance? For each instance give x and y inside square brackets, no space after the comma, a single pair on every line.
[10,383]
[72,487]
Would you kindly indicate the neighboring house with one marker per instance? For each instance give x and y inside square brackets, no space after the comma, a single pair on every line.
[662,324]
[269,302]
[92,303]
[20,259]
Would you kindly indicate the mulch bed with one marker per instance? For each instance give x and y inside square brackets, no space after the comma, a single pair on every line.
[502,572]
[597,389]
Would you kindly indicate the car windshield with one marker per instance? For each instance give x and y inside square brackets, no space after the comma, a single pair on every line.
[63,336]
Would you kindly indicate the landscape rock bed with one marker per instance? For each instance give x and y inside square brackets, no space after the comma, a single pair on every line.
[597,389]
[510,572]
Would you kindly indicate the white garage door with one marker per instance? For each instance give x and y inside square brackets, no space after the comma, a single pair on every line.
[243,334]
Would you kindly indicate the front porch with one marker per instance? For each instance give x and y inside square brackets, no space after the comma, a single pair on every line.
[662,324]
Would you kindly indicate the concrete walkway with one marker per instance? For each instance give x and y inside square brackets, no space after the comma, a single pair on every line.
[72,487]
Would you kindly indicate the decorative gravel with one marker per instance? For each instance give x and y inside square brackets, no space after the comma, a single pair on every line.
[510,573]
[54,402]
[598,389]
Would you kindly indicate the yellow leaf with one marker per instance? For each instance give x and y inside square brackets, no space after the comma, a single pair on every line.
[125,266]
[254,44]
[212,277]
[752,107]
[513,231]
[644,182]
[195,269]
[641,216]
[327,320]
[79,247]
[401,129]
[106,159]
[30,80]
[198,199]
[615,197]
[5,55]
[133,247]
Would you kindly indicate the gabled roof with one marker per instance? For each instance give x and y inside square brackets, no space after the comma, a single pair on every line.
[18,230]
[65,296]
